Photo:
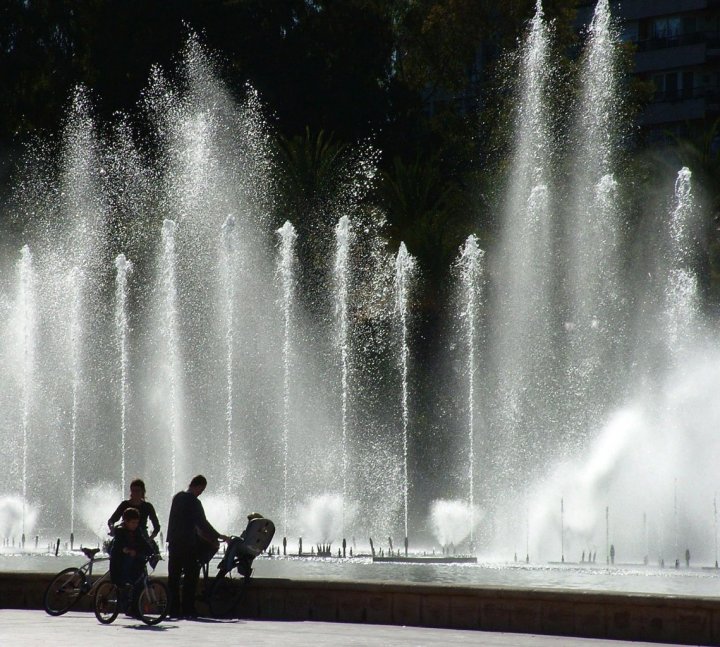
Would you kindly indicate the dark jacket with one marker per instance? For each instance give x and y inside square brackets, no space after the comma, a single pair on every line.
[124,567]
[187,519]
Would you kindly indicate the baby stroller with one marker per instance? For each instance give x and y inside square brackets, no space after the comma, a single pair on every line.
[224,591]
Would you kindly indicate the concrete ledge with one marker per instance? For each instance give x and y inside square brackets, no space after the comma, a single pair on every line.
[653,618]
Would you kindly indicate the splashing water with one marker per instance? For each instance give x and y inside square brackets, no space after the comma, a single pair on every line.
[323,518]
[16,517]
[95,506]
[217,506]
[453,521]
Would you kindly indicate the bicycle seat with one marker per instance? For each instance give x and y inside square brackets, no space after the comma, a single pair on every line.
[90,552]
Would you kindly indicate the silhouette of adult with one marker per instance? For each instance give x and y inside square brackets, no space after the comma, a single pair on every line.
[145,508]
[187,527]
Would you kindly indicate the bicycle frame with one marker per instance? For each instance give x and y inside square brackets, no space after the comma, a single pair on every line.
[87,570]
[72,583]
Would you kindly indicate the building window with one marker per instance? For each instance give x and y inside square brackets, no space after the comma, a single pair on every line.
[670,86]
[667,27]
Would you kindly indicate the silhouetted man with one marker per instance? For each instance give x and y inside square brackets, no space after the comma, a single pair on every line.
[187,522]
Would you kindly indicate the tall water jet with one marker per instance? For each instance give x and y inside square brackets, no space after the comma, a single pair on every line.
[470,266]
[341,275]
[74,279]
[229,235]
[598,121]
[286,274]
[123,268]
[170,325]
[26,308]
[404,270]
[522,324]
[681,291]
[595,322]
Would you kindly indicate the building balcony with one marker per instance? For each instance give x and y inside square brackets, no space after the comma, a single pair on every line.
[682,105]
[669,58]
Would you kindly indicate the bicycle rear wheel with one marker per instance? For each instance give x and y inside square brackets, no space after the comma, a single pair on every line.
[107,602]
[225,594]
[64,591]
[152,604]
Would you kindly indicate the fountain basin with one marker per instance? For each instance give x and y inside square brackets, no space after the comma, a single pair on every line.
[661,618]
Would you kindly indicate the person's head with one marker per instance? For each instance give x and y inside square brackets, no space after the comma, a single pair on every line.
[137,489]
[131,518]
[198,485]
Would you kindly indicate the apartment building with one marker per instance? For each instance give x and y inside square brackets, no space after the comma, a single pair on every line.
[678,50]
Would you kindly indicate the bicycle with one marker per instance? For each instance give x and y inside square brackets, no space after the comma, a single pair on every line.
[150,605]
[72,583]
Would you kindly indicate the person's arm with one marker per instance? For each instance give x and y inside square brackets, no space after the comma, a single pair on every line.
[146,546]
[203,524]
[115,517]
[118,545]
[152,515]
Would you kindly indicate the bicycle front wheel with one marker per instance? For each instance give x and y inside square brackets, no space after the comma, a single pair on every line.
[64,591]
[153,603]
[225,594]
[107,602]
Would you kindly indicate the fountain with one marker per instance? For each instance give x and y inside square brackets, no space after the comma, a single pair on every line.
[280,363]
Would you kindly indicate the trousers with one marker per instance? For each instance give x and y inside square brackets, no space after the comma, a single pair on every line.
[182,560]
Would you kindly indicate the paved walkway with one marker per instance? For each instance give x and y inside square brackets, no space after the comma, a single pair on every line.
[30,628]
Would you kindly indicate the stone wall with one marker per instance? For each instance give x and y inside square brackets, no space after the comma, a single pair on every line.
[563,613]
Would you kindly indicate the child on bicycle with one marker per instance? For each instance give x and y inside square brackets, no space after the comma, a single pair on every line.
[129,550]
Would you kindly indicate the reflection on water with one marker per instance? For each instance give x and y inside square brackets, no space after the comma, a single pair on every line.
[622,579]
